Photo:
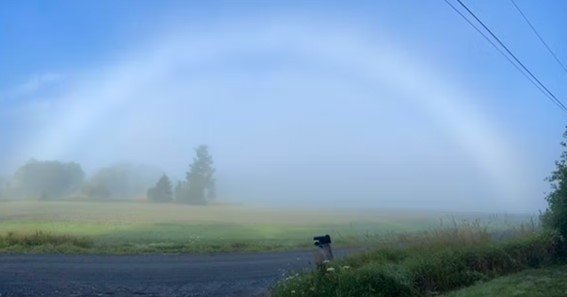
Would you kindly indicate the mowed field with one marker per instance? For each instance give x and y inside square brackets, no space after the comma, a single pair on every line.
[139,227]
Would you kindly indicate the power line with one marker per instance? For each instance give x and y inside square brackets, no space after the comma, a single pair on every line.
[514,56]
[532,78]
[539,36]
[500,51]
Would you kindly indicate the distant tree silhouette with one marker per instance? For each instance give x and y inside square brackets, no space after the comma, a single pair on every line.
[555,216]
[96,191]
[180,191]
[162,191]
[3,188]
[200,183]
[47,180]
[120,181]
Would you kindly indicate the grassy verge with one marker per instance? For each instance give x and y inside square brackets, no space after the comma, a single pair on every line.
[546,282]
[43,242]
[425,265]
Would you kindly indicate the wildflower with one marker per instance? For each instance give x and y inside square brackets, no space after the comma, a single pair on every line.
[330,269]
[346,267]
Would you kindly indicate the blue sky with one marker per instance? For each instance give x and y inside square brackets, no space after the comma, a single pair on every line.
[363,103]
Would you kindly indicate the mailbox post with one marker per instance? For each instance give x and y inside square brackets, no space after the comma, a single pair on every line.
[324,252]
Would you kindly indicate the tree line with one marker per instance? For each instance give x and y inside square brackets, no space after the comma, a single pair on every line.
[197,188]
[56,180]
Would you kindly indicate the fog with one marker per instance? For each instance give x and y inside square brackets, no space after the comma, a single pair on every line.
[299,107]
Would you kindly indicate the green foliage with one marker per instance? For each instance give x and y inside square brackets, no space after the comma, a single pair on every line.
[162,191]
[556,215]
[372,280]
[47,180]
[199,187]
[423,269]
[28,241]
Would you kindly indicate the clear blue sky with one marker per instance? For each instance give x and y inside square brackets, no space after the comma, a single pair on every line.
[364,103]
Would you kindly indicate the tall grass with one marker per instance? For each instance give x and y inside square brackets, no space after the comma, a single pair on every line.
[427,263]
[43,242]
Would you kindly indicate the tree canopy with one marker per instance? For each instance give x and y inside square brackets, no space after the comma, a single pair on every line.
[555,216]
[162,191]
[121,181]
[47,180]
[199,185]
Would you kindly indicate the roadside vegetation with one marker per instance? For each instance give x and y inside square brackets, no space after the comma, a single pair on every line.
[426,264]
[433,263]
[43,242]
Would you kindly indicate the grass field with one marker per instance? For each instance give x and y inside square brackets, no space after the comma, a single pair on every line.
[547,282]
[138,227]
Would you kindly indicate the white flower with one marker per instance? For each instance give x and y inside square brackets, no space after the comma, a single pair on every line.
[330,269]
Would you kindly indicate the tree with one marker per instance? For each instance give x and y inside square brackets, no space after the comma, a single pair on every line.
[96,191]
[3,188]
[161,192]
[555,216]
[200,181]
[47,180]
[180,191]
[121,181]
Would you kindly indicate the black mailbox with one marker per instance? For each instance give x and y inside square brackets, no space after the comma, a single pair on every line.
[324,254]
[322,240]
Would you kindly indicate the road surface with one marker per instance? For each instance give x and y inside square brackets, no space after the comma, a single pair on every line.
[231,275]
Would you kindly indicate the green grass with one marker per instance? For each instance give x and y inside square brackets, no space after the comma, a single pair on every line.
[43,242]
[445,261]
[546,282]
[138,227]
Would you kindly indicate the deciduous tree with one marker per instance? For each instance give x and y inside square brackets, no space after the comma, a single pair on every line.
[555,216]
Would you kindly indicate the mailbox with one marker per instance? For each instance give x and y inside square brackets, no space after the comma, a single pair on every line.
[324,252]
[321,240]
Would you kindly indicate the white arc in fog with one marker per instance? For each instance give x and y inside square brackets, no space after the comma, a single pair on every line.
[119,89]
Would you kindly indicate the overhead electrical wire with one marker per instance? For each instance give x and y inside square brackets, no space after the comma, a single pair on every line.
[498,49]
[517,64]
[539,36]
[514,56]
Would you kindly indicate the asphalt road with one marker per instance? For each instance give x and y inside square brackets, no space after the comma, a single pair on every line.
[234,275]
